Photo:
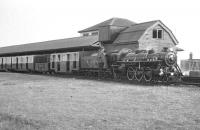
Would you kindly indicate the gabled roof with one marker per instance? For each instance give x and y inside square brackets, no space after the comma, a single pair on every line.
[110,22]
[51,45]
[134,32]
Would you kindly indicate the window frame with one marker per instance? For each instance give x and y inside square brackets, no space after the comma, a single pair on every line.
[157,34]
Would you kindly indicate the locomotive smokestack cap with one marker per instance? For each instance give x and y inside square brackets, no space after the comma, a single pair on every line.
[191,56]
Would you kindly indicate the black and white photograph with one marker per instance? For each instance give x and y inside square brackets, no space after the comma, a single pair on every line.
[99,65]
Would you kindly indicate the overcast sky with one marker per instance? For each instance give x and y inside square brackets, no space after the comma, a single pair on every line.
[25,21]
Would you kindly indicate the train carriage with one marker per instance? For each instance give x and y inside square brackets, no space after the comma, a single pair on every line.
[42,63]
[65,62]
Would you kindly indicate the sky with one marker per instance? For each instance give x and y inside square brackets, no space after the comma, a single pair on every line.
[27,21]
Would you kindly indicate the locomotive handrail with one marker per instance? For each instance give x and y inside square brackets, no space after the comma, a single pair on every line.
[138,61]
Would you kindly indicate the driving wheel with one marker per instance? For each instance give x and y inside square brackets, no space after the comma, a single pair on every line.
[148,74]
[130,73]
[139,74]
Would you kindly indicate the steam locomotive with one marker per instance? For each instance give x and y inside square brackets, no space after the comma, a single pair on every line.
[143,65]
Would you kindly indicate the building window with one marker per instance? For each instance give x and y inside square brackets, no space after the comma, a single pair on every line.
[94,33]
[157,33]
[85,34]
[154,33]
[160,34]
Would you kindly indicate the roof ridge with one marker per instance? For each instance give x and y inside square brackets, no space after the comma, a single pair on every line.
[145,22]
[113,20]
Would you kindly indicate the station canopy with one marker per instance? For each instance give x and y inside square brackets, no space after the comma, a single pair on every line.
[76,42]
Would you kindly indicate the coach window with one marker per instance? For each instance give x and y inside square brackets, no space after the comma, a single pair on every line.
[16,62]
[58,64]
[2,63]
[11,62]
[58,58]
[53,62]
[5,62]
[74,61]
[68,62]
[21,63]
[26,62]
[158,33]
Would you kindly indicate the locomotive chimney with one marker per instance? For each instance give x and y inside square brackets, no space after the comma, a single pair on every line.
[191,56]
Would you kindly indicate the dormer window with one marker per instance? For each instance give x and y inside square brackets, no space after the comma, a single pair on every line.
[93,33]
[158,33]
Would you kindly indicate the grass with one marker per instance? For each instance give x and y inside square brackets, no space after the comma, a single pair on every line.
[36,102]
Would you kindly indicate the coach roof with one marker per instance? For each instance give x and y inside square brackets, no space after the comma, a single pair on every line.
[50,45]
